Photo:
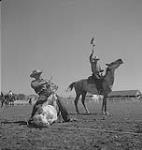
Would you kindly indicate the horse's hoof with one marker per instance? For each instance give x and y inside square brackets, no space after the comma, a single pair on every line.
[87,112]
[106,113]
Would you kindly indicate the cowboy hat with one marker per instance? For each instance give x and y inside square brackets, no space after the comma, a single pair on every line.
[35,72]
[96,58]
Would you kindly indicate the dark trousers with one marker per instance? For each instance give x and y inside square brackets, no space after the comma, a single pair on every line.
[38,104]
[63,110]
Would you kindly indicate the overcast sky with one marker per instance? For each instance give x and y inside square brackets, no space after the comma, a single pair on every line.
[54,36]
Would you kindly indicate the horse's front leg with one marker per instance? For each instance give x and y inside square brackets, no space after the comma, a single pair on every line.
[104,106]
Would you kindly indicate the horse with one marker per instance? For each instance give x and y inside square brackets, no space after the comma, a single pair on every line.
[10,99]
[83,86]
[7,99]
[49,112]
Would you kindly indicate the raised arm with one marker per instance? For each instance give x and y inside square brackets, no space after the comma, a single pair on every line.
[91,55]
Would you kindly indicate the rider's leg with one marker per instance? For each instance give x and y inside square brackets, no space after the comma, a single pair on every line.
[64,112]
[40,101]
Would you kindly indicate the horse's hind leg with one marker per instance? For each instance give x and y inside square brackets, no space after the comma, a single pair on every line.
[83,102]
[76,102]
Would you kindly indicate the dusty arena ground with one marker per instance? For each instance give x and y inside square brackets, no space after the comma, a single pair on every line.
[122,130]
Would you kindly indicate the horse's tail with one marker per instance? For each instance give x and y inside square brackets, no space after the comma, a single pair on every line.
[71,86]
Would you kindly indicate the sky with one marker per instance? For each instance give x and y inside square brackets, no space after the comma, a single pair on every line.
[54,36]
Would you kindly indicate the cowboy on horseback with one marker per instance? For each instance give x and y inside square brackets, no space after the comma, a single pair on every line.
[95,66]
[44,89]
[97,72]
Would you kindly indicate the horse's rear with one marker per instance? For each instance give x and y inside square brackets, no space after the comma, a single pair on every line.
[81,88]
[84,85]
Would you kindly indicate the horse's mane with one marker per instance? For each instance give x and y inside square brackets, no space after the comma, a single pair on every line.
[106,72]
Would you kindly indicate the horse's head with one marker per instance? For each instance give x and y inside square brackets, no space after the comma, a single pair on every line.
[114,65]
[109,76]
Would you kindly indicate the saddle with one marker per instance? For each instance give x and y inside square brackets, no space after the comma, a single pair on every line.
[97,81]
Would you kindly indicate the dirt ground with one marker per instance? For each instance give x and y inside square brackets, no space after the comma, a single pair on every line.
[122,130]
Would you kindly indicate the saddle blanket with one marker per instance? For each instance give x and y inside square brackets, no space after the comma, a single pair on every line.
[91,88]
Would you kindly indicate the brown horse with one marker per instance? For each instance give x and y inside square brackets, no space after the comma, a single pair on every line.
[83,86]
